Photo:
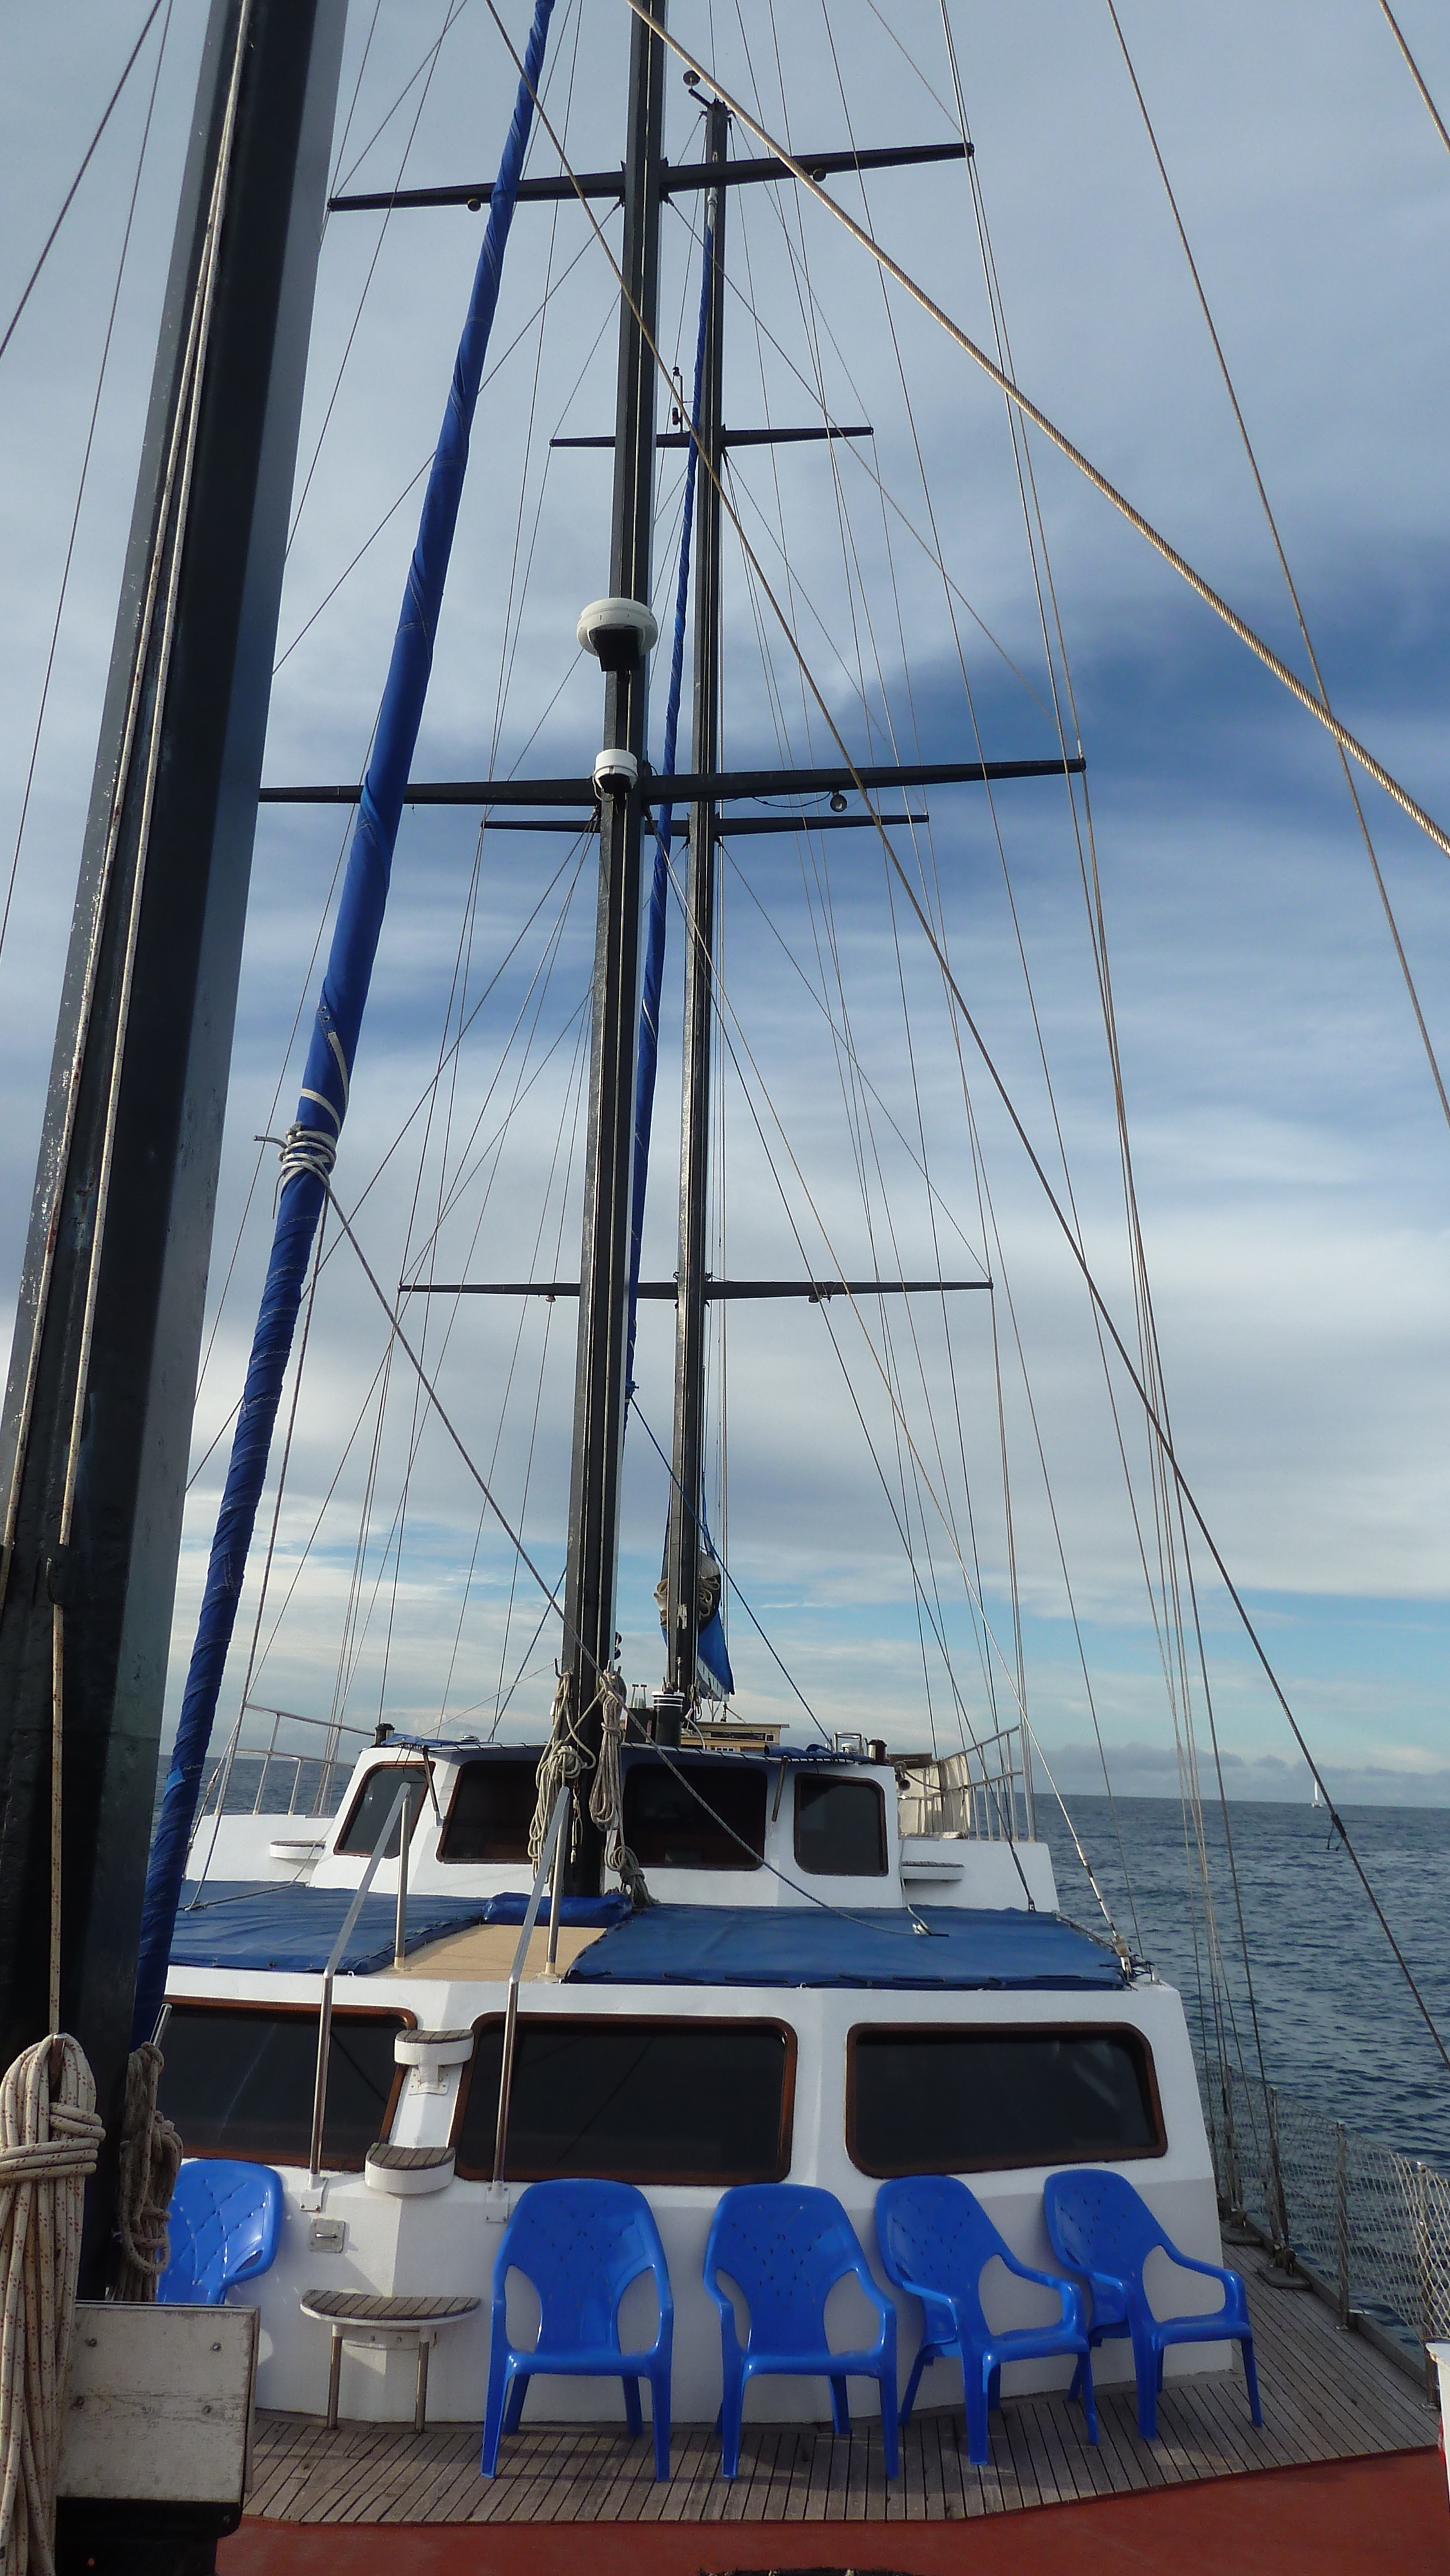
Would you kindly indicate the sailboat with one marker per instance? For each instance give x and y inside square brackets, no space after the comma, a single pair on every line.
[657,1942]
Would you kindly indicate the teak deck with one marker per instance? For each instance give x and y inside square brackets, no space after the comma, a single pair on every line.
[1326,2396]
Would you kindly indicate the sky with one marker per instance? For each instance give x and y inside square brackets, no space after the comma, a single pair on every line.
[1290,1157]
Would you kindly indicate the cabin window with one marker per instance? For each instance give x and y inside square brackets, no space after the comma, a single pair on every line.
[840,1827]
[239,2081]
[668,1827]
[371,1805]
[941,2100]
[490,1812]
[634,2100]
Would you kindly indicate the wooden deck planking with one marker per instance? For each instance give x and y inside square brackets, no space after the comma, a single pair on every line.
[1326,2396]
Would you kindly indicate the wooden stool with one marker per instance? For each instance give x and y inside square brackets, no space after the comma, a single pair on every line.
[359,2316]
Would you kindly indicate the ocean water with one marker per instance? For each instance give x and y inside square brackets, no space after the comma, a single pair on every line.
[1338,2023]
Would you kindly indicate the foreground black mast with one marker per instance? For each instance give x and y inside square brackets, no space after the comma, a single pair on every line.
[604,1261]
[98,1409]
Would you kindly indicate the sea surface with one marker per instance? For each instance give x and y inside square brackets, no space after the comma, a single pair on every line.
[1337,2021]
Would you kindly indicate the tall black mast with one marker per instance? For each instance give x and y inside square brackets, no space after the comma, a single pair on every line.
[682,1550]
[98,1410]
[604,1261]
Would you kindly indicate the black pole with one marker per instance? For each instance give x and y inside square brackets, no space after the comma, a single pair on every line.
[682,1547]
[108,1331]
[604,1263]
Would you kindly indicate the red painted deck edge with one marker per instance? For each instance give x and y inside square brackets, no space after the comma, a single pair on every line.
[1390,2511]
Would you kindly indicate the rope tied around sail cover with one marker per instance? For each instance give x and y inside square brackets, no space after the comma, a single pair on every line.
[311,1145]
[50,2138]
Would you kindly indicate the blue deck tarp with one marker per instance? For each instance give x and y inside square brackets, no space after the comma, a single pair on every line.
[724,1945]
[291,1930]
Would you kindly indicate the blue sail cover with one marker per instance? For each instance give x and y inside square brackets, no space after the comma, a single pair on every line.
[322,1106]
[977,1948]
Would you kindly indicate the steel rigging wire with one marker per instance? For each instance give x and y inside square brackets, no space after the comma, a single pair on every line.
[1297,688]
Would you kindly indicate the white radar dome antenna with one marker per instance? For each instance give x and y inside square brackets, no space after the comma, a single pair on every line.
[618,632]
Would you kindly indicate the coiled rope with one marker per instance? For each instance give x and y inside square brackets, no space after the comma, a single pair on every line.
[49,2140]
[606,1798]
[151,2153]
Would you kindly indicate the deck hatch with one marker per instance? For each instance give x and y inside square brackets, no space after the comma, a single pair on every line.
[640,2100]
[938,2098]
[239,2081]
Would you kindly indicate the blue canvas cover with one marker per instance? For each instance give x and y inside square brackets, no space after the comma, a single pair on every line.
[291,1930]
[727,1945]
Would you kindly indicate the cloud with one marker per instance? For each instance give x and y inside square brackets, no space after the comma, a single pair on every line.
[1288,1149]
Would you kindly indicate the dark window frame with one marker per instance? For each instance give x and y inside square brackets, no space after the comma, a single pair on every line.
[801,1780]
[785,2143]
[421,1769]
[689,1769]
[1115,2030]
[401,2014]
[450,1860]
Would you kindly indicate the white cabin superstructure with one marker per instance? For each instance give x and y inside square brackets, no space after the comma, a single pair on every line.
[1040,2041]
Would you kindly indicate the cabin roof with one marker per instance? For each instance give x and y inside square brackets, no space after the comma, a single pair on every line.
[238,1924]
[726,1945]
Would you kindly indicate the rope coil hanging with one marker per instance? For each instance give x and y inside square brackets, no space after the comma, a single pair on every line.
[151,2153]
[50,2137]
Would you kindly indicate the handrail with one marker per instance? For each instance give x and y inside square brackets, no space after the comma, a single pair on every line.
[548,1854]
[324,2018]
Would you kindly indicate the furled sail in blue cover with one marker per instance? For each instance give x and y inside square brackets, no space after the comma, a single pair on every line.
[312,1140]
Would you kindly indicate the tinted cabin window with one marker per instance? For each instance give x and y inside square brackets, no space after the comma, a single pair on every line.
[840,1827]
[965,2101]
[490,1813]
[372,1803]
[239,2082]
[635,2101]
[667,1827]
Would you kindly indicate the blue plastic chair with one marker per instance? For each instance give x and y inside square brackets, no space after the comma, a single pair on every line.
[224,2223]
[1101,2228]
[936,2241]
[581,2243]
[786,2246]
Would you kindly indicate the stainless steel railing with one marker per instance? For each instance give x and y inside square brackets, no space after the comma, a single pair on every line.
[985,1791]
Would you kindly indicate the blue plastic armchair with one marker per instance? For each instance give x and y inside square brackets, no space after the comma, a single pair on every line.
[1101,2228]
[936,2241]
[581,2243]
[224,2222]
[785,2246]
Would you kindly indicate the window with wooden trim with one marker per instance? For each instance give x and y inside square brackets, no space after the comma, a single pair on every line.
[634,2099]
[239,2081]
[944,2098]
